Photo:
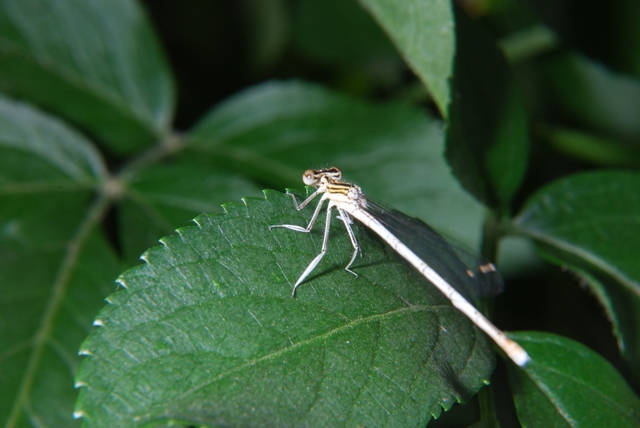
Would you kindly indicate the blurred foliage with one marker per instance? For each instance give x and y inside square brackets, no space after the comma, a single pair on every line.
[122,120]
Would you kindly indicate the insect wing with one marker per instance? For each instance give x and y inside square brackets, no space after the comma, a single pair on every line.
[468,273]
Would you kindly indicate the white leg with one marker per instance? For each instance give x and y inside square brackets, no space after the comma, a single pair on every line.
[347,223]
[299,207]
[319,257]
[346,219]
[305,202]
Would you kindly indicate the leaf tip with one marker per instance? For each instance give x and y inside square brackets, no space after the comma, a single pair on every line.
[121,282]
[163,241]
[144,258]
[269,193]
[197,221]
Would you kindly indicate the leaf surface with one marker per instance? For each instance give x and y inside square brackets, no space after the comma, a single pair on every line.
[95,62]
[590,147]
[159,198]
[590,222]
[602,100]
[206,332]
[566,385]
[423,32]
[55,268]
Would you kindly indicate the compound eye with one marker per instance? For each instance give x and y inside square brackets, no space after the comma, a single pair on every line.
[309,177]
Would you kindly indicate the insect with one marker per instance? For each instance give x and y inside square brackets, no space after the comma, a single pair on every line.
[444,263]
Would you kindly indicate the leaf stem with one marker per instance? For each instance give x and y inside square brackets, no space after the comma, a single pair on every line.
[488,416]
[490,236]
[491,233]
[172,144]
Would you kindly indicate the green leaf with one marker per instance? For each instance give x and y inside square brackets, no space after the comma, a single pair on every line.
[566,385]
[158,198]
[55,268]
[423,33]
[589,222]
[590,147]
[623,309]
[97,63]
[206,332]
[275,131]
[487,136]
[605,102]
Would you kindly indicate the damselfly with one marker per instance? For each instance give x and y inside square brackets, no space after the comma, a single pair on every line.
[448,264]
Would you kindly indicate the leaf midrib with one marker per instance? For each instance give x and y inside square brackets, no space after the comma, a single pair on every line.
[554,400]
[58,291]
[589,257]
[314,339]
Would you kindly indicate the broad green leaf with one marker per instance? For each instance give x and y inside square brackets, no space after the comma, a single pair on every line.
[603,101]
[277,130]
[159,198]
[567,385]
[206,332]
[423,32]
[55,268]
[96,62]
[623,309]
[590,222]
[487,135]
